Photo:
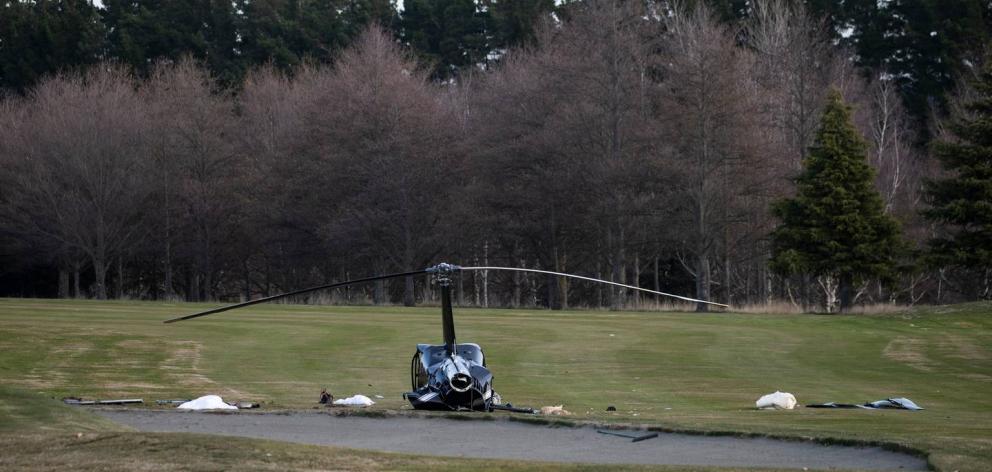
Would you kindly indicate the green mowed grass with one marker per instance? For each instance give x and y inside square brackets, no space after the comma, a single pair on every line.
[669,370]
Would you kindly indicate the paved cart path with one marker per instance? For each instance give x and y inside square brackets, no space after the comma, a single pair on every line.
[513,440]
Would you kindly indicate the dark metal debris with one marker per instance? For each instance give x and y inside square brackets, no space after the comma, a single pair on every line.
[634,437]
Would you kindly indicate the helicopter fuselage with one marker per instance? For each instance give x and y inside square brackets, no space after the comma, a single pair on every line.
[445,379]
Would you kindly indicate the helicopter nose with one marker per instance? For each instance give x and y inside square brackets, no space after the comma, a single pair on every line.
[460,382]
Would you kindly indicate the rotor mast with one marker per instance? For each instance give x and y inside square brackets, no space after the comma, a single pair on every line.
[442,277]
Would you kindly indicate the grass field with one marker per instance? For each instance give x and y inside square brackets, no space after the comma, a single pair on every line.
[671,370]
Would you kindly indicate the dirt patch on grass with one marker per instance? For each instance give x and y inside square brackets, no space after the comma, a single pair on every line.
[960,347]
[978,377]
[183,368]
[909,351]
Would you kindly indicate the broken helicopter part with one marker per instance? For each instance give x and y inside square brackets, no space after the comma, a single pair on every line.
[634,437]
[448,376]
[80,401]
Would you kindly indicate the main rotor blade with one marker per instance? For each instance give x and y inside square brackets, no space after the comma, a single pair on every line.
[290,294]
[573,276]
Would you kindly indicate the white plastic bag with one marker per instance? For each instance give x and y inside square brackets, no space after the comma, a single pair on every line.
[777,400]
[207,402]
[357,400]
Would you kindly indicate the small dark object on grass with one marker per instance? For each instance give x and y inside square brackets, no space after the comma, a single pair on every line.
[326,398]
[633,436]
[611,408]
[246,405]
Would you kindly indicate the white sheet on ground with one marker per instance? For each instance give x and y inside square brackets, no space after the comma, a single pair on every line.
[207,402]
[357,400]
[777,400]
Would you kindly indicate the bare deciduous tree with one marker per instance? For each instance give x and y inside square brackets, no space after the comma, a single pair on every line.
[709,108]
[201,171]
[81,180]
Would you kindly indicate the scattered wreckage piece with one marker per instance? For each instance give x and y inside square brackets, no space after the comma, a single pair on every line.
[634,437]
[355,400]
[776,401]
[172,402]
[207,402]
[889,403]
[80,401]
[512,409]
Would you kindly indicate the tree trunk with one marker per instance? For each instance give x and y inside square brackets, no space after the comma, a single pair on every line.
[619,270]
[194,286]
[378,289]
[702,281]
[553,302]
[657,282]
[637,279]
[599,287]
[119,283]
[515,302]
[845,293]
[409,298]
[75,280]
[247,280]
[726,277]
[99,278]
[63,282]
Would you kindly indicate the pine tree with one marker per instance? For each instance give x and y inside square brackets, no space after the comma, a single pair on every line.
[961,203]
[515,20]
[44,37]
[451,34]
[836,225]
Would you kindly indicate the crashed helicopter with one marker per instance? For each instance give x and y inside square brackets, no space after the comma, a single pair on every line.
[448,376]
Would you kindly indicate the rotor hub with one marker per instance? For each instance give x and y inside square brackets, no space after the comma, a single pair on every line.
[442,273]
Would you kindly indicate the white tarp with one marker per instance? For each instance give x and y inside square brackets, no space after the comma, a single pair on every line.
[207,402]
[357,400]
[777,400]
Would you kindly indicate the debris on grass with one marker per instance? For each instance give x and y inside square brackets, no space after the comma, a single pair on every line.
[777,401]
[898,403]
[207,402]
[357,400]
[556,410]
[634,437]
[80,401]
[509,407]
[888,403]
[171,402]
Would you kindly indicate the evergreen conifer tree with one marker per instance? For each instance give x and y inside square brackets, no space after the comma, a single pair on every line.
[961,202]
[836,225]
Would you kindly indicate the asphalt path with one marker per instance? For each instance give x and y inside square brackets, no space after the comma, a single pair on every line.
[502,439]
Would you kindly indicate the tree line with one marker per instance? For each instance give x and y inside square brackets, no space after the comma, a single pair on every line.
[925,46]
[638,142]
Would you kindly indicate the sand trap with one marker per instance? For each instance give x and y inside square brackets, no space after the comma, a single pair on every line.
[513,440]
